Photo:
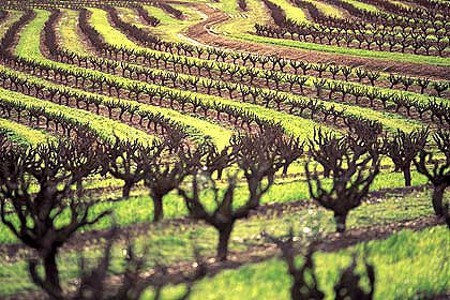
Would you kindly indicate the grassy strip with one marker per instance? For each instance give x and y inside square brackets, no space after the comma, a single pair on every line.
[68,34]
[168,243]
[362,5]
[292,12]
[246,22]
[196,128]
[115,37]
[256,9]
[23,135]
[29,47]
[235,30]
[407,263]
[170,27]
[140,209]
[328,9]
[104,127]
[389,120]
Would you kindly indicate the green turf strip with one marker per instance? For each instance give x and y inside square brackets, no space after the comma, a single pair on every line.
[106,128]
[171,243]
[328,9]
[196,128]
[235,30]
[388,120]
[140,208]
[23,135]
[407,264]
[115,37]
[292,11]
[28,46]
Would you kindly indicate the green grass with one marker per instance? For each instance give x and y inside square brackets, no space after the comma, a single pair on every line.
[406,263]
[196,128]
[116,38]
[363,5]
[170,27]
[171,243]
[242,29]
[386,119]
[104,127]
[29,47]
[256,11]
[292,12]
[400,3]
[143,213]
[67,34]
[327,9]
[99,20]
[140,208]
[23,135]
[389,120]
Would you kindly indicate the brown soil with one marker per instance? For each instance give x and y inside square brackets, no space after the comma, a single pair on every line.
[202,33]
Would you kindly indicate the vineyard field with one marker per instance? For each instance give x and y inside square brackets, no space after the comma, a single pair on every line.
[225,149]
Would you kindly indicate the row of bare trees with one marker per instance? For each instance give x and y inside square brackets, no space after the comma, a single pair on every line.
[436,12]
[59,171]
[436,110]
[352,163]
[33,217]
[375,39]
[144,14]
[276,78]
[361,19]
[393,21]
[7,41]
[419,42]
[148,40]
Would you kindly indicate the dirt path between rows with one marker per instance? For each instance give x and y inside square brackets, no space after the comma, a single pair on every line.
[202,33]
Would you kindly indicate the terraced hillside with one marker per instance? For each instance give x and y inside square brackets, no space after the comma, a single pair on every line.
[199,149]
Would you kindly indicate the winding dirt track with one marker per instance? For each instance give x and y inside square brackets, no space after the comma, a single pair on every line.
[202,33]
